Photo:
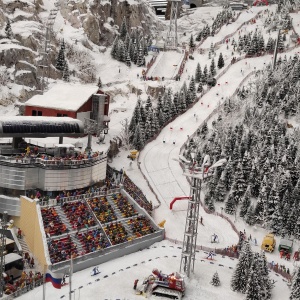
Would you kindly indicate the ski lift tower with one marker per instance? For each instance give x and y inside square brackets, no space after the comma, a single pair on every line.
[192,217]
[172,38]
[191,224]
[44,67]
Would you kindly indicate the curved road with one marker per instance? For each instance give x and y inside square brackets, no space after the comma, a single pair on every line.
[159,165]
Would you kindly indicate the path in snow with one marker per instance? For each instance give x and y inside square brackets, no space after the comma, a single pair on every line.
[166,64]
[158,163]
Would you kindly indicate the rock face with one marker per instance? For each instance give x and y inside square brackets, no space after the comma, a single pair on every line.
[99,20]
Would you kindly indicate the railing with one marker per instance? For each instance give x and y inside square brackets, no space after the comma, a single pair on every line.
[24,290]
[53,202]
[54,162]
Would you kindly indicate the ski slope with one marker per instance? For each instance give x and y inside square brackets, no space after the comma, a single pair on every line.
[166,64]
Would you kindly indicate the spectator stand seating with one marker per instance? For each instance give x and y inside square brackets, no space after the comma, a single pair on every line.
[93,240]
[127,210]
[79,214]
[117,233]
[61,249]
[140,226]
[52,222]
[136,194]
[102,209]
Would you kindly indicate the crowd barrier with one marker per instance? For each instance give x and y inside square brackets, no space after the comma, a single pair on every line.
[22,291]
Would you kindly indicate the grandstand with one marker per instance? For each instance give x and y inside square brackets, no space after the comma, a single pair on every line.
[90,228]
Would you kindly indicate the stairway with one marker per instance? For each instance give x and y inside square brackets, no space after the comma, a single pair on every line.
[64,218]
[77,242]
[24,245]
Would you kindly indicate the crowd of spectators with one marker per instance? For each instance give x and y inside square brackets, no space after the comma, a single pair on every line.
[116,233]
[124,206]
[140,226]
[62,249]
[52,222]
[27,281]
[136,194]
[33,155]
[102,209]
[78,214]
[93,240]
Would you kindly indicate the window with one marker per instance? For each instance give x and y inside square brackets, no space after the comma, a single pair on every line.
[65,115]
[59,115]
[40,113]
[33,112]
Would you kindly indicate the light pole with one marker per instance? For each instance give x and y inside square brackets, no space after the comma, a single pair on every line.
[2,251]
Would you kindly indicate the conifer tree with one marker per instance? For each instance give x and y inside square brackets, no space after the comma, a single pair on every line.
[200,88]
[99,83]
[220,191]
[114,48]
[205,75]
[191,43]
[212,67]
[138,138]
[61,61]
[253,289]
[250,217]
[245,202]
[240,276]
[123,30]
[295,293]
[66,73]
[8,30]
[215,281]
[221,62]
[230,204]
[198,73]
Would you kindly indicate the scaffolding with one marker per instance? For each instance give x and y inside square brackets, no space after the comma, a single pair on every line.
[191,226]
[44,66]
[172,37]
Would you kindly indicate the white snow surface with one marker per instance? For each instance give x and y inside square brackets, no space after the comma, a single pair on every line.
[163,172]
[64,96]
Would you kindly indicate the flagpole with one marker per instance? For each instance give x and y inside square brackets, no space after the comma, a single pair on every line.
[44,283]
[70,278]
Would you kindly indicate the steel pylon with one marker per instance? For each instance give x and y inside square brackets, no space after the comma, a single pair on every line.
[172,38]
[191,227]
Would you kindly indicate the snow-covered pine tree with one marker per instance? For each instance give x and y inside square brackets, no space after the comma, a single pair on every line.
[138,138]
[61,61]
[123,30]
[128,62]
[99,83]
[213,67]
[221,62]
[241,272]
[66,73]
[148,105]
[295,292]
[215,281]
[200,88]
[250,217]
[114,48]
[220,191]
[198,73]
[140,59]
[230,205]
[205,75]
[245,202]
[191,43]
[253,291]
[8,30]
[266,285]
[192,89]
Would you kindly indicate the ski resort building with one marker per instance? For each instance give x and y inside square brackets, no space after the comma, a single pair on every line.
[71,100]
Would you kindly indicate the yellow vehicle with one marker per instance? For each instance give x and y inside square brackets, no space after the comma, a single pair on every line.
[133,154]
[268,243]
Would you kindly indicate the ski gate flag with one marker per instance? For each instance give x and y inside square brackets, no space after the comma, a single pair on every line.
[54,278]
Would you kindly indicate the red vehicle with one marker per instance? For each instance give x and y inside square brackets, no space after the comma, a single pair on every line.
[170,286]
